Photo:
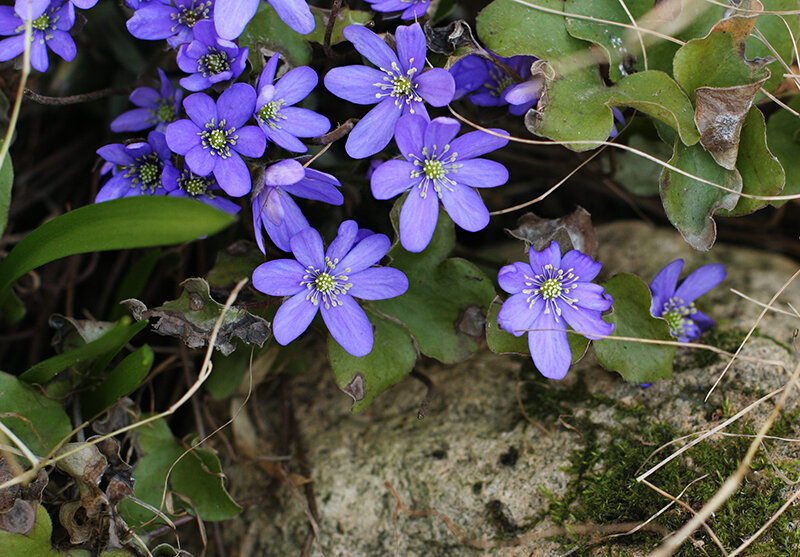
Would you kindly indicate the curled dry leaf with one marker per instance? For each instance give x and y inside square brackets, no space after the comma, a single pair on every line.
[574,231]
[447,40]
[18,503]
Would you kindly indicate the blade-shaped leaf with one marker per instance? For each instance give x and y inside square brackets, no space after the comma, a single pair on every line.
[120,381]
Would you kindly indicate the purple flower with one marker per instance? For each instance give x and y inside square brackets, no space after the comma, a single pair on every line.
[37,8]
[172,20]
[328,281]
[157,108]
[618,117]
[213,139]
[139,168]
[412,9]
[136,4]
[547,295]
[281,122]
[234,15]
[488,85]
[443,167]
[209,59]
[399,85]
[203,188]
[276,211]
[50,29]
[676,305]
[84,4]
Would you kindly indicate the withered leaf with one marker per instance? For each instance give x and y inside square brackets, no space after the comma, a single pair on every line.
[192,317]
[574,231]
[446,40]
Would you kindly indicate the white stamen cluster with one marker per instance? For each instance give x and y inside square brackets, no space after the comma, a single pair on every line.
[270,114]
[398,85]
[678,316]
[145,173]
[214,62]
[216,138]
[324,284]
[552,286]
[433,169]
[191,15]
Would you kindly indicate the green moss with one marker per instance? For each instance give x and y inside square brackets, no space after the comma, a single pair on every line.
[724,339]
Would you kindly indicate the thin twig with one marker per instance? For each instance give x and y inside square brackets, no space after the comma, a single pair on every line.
[332,15]
[76,99]
[426,400]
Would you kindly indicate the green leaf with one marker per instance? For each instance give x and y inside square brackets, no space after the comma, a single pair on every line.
[6,181]
[783,135]
[620,45]
[132,222]
[121,381]
[392,358]
[197,476]
[109,344]
[776,31]
[35,543]
[501,342]
[635,361]
[690,204]
[267,31]
[134,281]
[761,172]
[234,263]
[637,174]
[39,422]
[344,18]
[444,297]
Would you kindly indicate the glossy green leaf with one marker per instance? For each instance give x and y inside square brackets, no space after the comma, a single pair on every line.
[344,18]
[6,181]
[391,360]
[501,342]
[776,31]
[109,344]
[132,222]
[783,135]
[197,477]
[635,361]
[762,173]
[445,297]
[134,281]
[637,174]
[267,31]
[36,543]
[689,203]
[40,422]
[125,378]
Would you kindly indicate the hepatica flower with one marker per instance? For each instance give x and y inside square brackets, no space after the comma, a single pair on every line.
[209,59]
[412,9]
[485,84]
[205,189]
[438,167]
[399,85]
[172,20]
[156,108]
[676,305]
[550,293]
[232,16]
[215,137]
[328,282]
[138,170]
[281,122]
[50,30]
[276,211]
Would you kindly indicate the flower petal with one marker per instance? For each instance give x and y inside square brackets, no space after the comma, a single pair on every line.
[296,84]
[663,286]
[441,132]
[293,221]
[365,254]
[517,315]
[465,207]
[283,139]
[232,175]
[418,220]
[134,120]
[279,277]
[477,143]
[11,47]
[251,142]
[349,326]
[512,277]
[480,173]
[183,136]
[585,322]
[200,108]
[268,73]
[293,318]
[374,131]
[62,44]
[700,281]
[378,283]
[200,160]
[702,320]
[354,83]
[583,266]
[391,178]
[302,122]
[551,255]
[284,173]
[549,348]
[591,296]
[411,47]
[371,46]
[296,14]
[409,134]
[236,104]
[232,16]
[436,86]
[318,190]
[344,241]
[307,248]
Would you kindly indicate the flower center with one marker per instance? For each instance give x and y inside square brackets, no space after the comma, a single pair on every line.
[434,166]
[188,16]
[213,63]
[145,172]
[218,139]
[165,112]
[148,173]
[678,316]
[195,186]
[325,284]
[41,23]
[270,113]
[398,85]
[553,286]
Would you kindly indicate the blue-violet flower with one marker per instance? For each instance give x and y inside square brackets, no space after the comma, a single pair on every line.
[50,29]
[547,295]
[439,167]
[412,9]
[398,85]
[215,137]
[234,15]
[209,59]
[676,305]
[172,20]
[485,84]
[185,183]
[276,211]
[139,168]
[328,282]
[156,108]
[281,122]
